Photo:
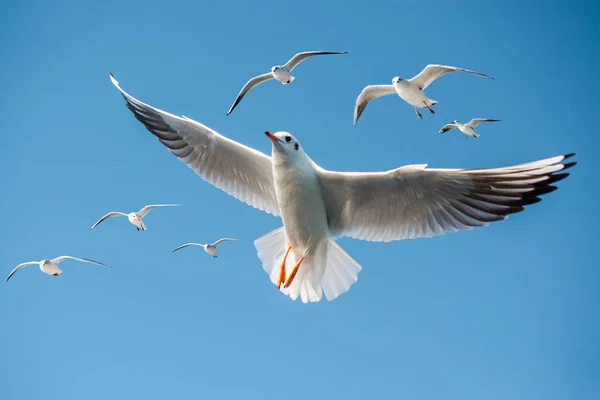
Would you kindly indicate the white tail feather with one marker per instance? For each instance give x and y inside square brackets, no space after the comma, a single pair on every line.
[340,271]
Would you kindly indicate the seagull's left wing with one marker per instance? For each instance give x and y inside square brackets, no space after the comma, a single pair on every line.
[186,245]
[146,209]
[446,128]
[18,267]
[298,58]
[433,71]
[476,121]
[238,170]
[414,201]
[85,260]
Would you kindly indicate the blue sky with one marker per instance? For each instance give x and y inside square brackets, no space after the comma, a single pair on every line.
[509,311]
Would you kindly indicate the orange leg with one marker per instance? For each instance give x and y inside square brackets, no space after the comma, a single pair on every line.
[418,113]
[429,108]
[293,274]
[282,269]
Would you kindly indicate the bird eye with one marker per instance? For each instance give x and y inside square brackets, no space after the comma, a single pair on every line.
[288,138]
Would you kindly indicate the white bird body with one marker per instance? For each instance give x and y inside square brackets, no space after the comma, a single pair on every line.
[316,204]
[300,204]
[467,130]
[136,220]
[282,74]
[410,93]
[50,267]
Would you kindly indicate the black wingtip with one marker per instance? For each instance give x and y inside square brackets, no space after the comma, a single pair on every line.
[569,155]
[569,165]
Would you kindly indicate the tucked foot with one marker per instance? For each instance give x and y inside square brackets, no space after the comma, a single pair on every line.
[294,272]
[288,81]
[429,108]
[418,113]
[55,274]
[214,256]
[281,279]
[137,228]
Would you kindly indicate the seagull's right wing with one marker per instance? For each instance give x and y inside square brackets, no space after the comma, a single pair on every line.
[414,201]
[433,71]
[85,260]
[369,93]
[186,245]
[238,170]
[146,209]
[18,267]
[446,128]
[476,121]
[257,80]
[218,242]
[110,214]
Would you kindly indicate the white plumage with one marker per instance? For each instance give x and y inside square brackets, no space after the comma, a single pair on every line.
[316,204]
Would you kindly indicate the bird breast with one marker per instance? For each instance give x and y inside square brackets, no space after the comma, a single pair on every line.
[301,205]
[410,93]
[282,75]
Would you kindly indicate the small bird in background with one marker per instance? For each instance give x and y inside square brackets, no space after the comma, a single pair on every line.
[50,267]
[280,72]
[409,90]
[134,217]
[468,128]
[209,248]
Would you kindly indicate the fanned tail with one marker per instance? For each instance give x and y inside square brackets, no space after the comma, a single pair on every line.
[339,273]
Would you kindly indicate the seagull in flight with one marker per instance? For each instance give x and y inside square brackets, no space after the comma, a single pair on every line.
[280,72]
[209,248]
[134,217]
[409,90]
[317,205]
[468,128]
[50,267]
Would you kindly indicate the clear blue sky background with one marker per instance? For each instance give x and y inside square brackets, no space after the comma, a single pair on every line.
[509,311]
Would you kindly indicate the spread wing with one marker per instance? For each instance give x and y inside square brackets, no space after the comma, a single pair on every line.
[186,245]
[369,93]
[476,121]
[238,170]
[414,201]
[85,260]
[18,267]
[218,242]
[110,214]
[146,209]
[298,58]
[257,80]
[433,71]
[446,128]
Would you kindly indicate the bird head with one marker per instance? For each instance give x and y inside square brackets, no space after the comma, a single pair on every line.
[455,121]
[285,145]
[396,79]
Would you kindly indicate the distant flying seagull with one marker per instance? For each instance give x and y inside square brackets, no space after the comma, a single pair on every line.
[279,72]
[316,204]
[134,217]
[409,90]
[50,267]
[469,128]
[209,248]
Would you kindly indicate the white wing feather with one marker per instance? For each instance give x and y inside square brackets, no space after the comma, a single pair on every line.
[414,201]
[238,170]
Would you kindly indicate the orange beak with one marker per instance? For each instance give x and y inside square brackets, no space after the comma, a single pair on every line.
[273,138]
